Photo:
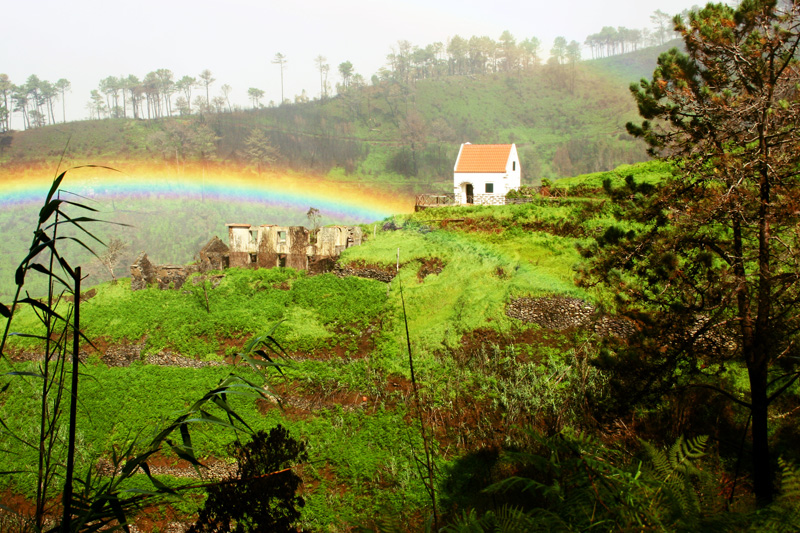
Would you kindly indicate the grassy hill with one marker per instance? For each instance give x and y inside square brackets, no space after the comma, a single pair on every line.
[625,69]
[487,377]
[346,388]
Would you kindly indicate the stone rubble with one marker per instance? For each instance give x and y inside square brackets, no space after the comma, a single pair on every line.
[364,271]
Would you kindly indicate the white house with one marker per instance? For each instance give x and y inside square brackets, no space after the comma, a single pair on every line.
[484,173]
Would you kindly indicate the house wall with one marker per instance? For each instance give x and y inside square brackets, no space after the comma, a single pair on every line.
[297,245]
[267,246]
[241,245]
[502,184]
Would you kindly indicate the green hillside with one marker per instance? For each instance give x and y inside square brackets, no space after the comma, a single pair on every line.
[565,122]
[346,386]
[631,67]
[492,382]
[565,119]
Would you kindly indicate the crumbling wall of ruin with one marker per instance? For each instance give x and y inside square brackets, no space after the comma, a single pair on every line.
[354,236]
[326,242]
[297,257]
[174,276]
[240,239]
[143,273]
[213,256]
[267,247]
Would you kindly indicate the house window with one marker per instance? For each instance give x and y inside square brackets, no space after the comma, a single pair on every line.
[489,188]
[513,165]
[281,237]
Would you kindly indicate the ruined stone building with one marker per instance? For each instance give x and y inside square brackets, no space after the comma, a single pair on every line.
[269,246]
[265,246]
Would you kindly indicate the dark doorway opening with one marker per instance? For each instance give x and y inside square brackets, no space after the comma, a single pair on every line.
[470,194]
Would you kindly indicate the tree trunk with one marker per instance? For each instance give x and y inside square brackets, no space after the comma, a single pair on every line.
[762,463]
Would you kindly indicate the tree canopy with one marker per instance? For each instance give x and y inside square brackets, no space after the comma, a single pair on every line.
[710,269]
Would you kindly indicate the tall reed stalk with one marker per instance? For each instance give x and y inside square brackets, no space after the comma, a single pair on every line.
[428,478]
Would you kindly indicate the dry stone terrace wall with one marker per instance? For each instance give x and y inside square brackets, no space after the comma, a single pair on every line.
[385,274]
[124,353]
[560,313]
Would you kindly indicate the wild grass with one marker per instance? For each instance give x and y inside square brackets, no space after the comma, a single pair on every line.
[653,172]
[361,465]
[245,303]
[356,453]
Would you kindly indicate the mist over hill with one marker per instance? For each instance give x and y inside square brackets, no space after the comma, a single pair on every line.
[566,119]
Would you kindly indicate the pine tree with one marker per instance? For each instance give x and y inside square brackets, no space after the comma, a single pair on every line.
[712,274]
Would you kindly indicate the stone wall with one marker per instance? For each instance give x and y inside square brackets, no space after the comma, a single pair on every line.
[560,313]
[144,273]
[214,255]
[482,199]
[385,274]
[556,313]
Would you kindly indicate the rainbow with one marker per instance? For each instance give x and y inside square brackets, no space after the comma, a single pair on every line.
[344,200]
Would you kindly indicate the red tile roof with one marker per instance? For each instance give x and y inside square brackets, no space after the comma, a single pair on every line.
[483,158]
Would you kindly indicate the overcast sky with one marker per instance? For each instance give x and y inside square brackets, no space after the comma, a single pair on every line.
[85,41]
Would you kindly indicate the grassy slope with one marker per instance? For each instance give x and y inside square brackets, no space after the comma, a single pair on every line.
[347,387]
[630,68]
[483,376]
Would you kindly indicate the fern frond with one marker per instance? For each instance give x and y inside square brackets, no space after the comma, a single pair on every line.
[790,481]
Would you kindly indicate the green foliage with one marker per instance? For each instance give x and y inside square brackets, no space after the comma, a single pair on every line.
[651,172]
[263,495]
[553,393]
[565,133]
[507,519]
[720,248]
[345,384]
[100,503]
[784,513]
[574,483]
[245,303]
[675,470]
